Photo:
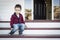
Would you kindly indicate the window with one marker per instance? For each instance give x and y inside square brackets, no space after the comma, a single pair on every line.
[28,9]
[56,7]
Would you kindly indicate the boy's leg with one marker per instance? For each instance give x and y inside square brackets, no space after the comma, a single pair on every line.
[15,28]
[21,28]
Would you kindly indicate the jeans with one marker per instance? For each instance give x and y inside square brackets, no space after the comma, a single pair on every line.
[16,27]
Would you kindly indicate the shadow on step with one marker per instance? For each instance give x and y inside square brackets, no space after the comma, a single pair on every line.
[29,36]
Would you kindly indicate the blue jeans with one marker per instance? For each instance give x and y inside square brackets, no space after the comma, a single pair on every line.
[16,27]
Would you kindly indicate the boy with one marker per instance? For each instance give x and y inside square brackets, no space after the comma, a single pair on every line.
[17,21]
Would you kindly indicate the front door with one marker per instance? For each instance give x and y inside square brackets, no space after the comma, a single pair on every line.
[39,10]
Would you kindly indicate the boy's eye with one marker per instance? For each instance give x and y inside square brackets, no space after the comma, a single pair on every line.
[17,10]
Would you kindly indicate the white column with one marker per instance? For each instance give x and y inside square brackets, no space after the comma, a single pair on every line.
[32,9]
[52,10]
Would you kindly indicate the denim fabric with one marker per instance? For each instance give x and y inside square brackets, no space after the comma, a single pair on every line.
[19,27]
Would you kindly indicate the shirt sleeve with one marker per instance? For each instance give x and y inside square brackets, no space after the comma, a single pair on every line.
[11,21]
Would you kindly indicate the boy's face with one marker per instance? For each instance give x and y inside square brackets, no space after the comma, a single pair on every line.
[17,10]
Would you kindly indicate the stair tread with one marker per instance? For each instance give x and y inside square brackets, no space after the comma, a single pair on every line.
[29,36]
[34,21]
[33,28]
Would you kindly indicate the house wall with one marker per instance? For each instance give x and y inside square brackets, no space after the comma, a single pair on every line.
[7,8]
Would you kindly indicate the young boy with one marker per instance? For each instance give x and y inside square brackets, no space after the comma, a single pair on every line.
[17,21]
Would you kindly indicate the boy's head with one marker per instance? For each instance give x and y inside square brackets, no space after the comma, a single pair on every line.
[17,8]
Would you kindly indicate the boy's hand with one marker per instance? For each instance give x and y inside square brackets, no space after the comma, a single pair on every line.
[25,26]
[11,28]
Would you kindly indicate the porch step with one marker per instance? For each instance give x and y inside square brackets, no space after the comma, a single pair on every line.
[29,36]
[33,28]
[35,25]
[28,32]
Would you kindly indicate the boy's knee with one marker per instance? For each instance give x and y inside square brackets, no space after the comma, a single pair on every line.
[23,25]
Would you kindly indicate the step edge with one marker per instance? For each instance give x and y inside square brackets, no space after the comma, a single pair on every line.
[33,28]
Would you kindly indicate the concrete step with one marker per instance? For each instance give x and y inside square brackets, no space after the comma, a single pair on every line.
[35,25]
[40,32]
[33,28]
[29,38]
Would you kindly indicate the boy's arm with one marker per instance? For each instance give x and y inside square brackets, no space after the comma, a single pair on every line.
[11,21]
[25,26]
[23,20]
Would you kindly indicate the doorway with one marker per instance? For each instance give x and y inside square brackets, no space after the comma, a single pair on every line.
[39,10]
